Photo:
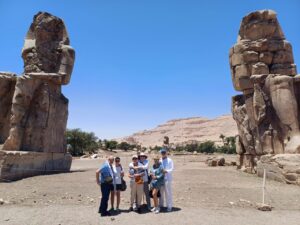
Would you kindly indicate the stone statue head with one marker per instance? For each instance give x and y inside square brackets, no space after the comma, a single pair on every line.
[42,48]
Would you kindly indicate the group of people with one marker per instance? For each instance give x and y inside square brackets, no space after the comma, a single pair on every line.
[145,181]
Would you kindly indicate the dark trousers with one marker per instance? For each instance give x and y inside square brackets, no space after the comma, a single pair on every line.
[105,190]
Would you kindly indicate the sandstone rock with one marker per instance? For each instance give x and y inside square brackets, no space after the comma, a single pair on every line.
[250,57]
[34,112]
[260,68]
[283,57]
[263,207]
[48,63]
[15,165]
[212,162]
[280,167]
[287,69]
[221,161]
[266,57]
[7,88]
[259,25]
[267,114]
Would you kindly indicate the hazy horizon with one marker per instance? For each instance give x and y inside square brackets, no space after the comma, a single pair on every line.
[141,63]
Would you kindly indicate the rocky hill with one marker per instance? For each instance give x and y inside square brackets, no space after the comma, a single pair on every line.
[183,131]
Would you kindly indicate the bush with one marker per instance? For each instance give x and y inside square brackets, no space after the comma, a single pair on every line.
[156,148]
[80,142]
[111,145]
[124,146]
[207,147]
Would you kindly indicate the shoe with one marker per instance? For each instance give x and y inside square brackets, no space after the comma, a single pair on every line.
[169,209]
[149,208]
[139,210]
[157,211]
[105,214]
[131,209]
[111,209]
[153,209]
[117,209]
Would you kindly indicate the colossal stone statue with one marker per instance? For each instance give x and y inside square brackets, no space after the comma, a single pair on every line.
[33,113]
[262,67]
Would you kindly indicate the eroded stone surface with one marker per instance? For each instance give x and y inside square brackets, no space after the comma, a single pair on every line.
[39,110]
[15,165]
[33,111]
[262,67]
[281,167]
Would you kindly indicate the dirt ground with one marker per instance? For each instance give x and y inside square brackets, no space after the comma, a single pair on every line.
[202,195]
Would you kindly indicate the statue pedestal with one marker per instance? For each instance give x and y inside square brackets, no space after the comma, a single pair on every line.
[281,167]
[16,165]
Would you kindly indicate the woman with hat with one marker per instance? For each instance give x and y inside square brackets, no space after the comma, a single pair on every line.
[157,181]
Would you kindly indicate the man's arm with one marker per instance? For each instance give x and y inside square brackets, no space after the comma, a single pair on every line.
[170,167]
[139,174]
[97,176]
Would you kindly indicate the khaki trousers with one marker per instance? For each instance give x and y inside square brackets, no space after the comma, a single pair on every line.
[137,191]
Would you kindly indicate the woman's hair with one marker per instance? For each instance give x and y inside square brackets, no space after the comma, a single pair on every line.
[117,158]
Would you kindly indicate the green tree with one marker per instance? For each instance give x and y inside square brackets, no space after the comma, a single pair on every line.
[222,136]
[80,142]
[111,145]
[124,146]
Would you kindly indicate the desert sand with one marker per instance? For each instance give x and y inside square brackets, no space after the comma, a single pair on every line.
[202,195]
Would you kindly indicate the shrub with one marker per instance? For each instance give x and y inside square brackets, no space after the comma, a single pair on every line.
[207,147]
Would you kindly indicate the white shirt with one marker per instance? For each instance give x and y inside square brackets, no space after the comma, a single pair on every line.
[145,166]
[168,166]
[117,172]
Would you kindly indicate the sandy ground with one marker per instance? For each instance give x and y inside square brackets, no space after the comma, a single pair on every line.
[202,195]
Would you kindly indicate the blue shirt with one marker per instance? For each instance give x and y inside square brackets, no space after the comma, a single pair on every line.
[105,171]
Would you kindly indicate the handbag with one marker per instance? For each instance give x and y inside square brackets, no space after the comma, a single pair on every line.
[108,180]
[123,182]
[149,179]
[123,185]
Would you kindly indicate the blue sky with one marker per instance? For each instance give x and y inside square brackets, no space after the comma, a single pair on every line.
[140,63]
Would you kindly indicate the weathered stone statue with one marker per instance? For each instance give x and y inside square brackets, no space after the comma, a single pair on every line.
[262,67]
[38,110]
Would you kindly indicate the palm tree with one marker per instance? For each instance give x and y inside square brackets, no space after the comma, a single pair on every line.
[222,136]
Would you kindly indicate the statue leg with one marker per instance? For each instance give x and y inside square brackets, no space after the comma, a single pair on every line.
[285,105]
[24,91]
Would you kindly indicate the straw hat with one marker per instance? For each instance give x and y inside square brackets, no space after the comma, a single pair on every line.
[134,157]
[143,155]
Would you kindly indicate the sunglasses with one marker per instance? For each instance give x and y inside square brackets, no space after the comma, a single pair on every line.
[117,160]
[134,158]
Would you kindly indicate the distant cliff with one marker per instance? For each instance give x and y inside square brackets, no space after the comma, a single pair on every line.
[182,131]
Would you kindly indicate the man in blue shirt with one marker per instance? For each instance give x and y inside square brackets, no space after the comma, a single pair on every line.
[104,178]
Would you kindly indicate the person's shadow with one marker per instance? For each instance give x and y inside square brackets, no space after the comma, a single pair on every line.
[145,210]
[174,209]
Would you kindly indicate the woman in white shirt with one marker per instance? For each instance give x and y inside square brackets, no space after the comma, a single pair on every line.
[117,184]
